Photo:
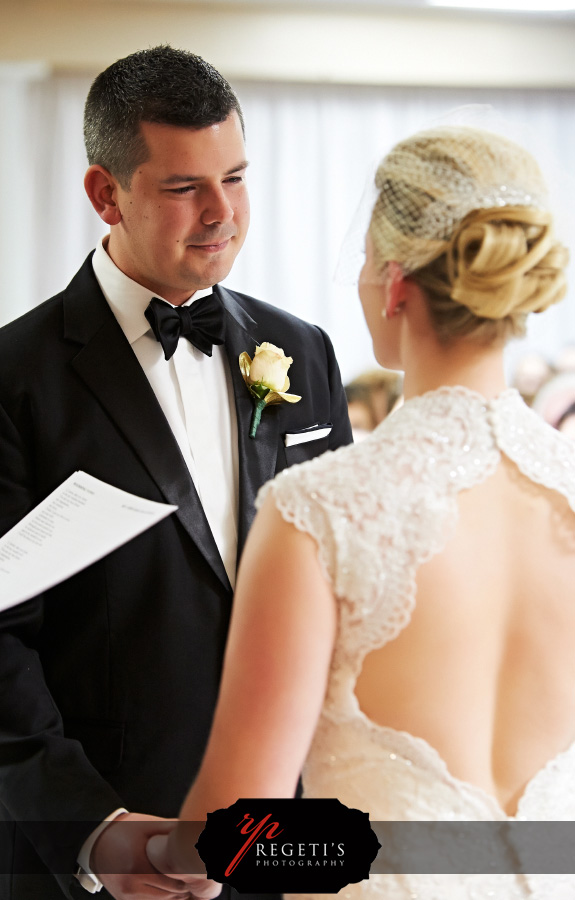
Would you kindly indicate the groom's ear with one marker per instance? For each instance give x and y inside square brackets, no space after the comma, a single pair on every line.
[102,190]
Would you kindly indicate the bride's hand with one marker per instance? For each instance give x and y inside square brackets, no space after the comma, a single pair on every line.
[159,851]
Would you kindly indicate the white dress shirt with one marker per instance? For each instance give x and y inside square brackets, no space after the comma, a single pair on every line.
[196,395]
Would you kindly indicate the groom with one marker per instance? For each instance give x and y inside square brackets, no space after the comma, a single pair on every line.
[109,680]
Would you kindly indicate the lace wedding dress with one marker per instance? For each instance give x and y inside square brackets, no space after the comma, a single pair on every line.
[377,510]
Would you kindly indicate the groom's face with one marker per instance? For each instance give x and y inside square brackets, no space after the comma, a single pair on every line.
[186,214]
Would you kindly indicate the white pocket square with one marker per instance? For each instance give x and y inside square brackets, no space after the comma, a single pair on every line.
[313,433]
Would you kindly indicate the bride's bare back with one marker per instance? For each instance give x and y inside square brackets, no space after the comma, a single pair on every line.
[485,671]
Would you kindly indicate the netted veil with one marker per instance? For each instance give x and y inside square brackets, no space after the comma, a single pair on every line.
[480,199]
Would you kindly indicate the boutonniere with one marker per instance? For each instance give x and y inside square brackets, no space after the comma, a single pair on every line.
[266,379]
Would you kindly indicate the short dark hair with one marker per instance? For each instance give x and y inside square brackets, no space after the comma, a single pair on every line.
[163,85]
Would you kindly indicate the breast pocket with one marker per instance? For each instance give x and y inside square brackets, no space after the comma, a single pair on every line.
[299,453]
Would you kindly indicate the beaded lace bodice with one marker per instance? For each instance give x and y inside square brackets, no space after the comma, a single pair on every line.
[378,510]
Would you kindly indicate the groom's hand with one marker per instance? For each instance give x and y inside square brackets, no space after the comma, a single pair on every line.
[119,860]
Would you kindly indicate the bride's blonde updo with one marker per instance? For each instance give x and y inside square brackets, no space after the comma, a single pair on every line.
[464,213]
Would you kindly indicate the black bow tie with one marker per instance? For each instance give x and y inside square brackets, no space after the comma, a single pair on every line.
[202,323]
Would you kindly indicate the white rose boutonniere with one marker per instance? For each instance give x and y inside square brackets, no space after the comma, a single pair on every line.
[266,379]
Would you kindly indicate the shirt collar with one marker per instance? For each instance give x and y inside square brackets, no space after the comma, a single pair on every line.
[127,299]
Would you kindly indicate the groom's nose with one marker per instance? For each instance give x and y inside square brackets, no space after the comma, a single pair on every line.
[217,206]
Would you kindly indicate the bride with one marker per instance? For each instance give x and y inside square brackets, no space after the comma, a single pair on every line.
[404,622]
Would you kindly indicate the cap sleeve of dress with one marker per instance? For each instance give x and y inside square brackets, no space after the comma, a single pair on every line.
[301,495]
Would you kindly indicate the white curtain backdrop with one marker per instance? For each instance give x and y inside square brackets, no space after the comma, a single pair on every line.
[310,149]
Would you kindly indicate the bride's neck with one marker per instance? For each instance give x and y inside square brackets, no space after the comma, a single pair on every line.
[430,365]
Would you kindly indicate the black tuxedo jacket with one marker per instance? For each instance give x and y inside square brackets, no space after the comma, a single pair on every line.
[109,680]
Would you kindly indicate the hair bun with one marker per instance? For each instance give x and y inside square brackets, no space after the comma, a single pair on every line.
[503,261]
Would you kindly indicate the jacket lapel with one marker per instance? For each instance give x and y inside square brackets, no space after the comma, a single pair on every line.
[257,456]
[110,369]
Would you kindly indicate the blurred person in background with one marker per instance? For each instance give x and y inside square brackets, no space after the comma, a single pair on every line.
[370,398]
[531,373]
[565,359]
[555,397]
[566,422]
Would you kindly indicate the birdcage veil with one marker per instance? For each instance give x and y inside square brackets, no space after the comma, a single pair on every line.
[428,183]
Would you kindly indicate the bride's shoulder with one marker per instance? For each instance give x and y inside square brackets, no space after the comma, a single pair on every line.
[316,475]
[398,437]
[540,452]
[440,441]
[338,477]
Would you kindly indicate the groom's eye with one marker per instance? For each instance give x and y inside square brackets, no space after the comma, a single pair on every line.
[185,189]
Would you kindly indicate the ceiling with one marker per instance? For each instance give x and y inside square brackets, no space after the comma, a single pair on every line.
[397,6]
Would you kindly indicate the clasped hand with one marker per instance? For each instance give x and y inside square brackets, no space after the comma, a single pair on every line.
[162,852]
[146,862]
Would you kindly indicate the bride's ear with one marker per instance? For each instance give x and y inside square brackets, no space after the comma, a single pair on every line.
[395,289]
[102,190]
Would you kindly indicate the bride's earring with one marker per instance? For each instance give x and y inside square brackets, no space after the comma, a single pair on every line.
[384,313]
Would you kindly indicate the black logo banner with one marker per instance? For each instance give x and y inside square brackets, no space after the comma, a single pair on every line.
[290,846]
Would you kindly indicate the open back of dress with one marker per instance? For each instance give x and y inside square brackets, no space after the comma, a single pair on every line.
[488,652]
